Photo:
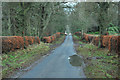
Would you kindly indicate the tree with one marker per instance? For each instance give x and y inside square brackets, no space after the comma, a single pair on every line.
[32,19]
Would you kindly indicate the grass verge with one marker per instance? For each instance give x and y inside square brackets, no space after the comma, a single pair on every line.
[100,63]
[57,42]
[12,62]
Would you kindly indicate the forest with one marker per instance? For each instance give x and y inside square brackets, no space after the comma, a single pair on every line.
[31,30]
[38,19]
[33,19]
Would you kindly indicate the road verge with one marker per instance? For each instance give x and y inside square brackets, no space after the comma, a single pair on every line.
[13,62]
[100,63]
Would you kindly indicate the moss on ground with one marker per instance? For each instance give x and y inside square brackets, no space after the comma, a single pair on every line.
[100,63]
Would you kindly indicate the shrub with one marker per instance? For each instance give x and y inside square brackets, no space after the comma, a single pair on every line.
[53,38]
[62,33]
[106,40]
[96,40]
[86,37]
[37,40]
[78,33]
[109,41]
[90,38]
[118,45]
[47,39]
[11,43]
[113,43]
[58,34]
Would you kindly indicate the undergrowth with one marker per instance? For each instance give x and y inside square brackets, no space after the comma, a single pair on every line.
[100,63]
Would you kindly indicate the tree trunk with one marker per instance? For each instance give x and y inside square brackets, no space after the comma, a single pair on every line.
[119,16]
[103,11]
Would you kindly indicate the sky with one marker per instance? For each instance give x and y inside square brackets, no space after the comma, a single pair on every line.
[54,0]
[71,4]
[91,0]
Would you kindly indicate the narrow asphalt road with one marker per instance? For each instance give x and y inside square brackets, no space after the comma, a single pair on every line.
[57,64]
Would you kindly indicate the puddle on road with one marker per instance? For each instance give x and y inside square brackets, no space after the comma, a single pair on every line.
[75,60]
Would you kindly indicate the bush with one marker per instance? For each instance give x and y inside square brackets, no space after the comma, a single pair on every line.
[78,33]
[62,33]
[113,43]
[11,43]
[47,39]
[37,40]
[96,40]
[118,45]
[52,38]
[106,40]
[86,37]
[109,41]
[58,34]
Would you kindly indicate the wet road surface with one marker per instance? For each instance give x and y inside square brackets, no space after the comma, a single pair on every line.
[58,64]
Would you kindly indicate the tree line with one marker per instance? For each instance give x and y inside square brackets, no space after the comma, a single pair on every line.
[101,17]
[46,18]
[32,18]
[90,15]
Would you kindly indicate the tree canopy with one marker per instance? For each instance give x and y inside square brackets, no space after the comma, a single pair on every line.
[32,19]
[46,18]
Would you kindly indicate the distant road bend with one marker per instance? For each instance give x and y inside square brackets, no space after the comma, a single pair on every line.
[57,64]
